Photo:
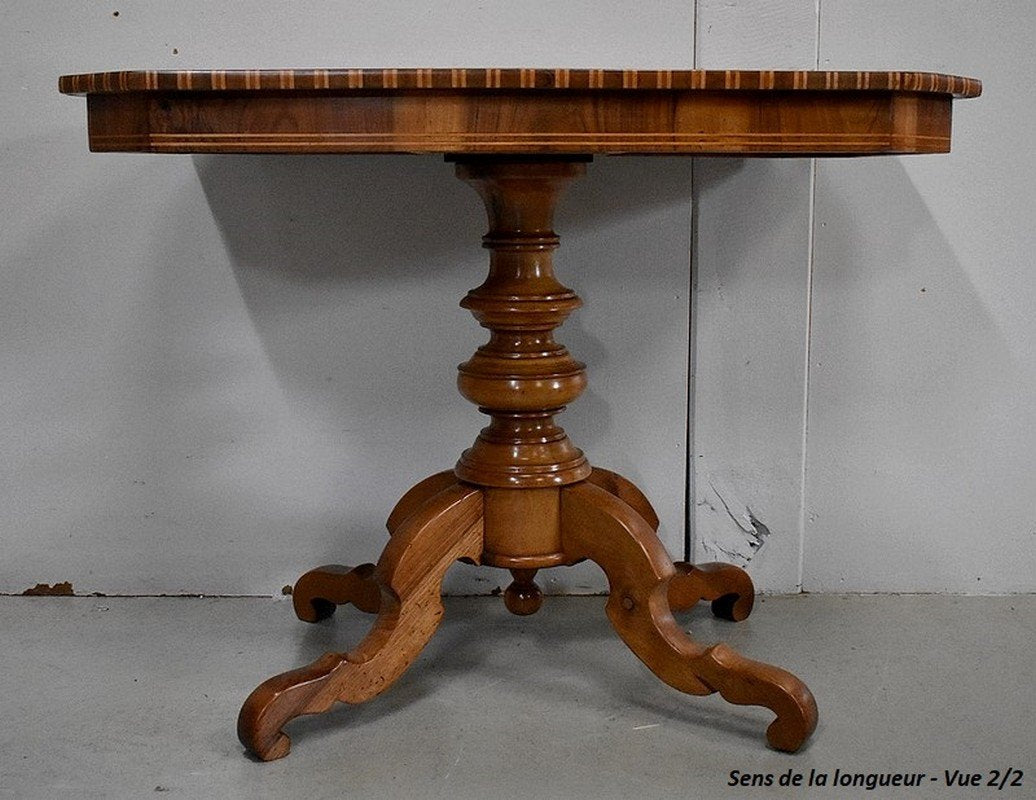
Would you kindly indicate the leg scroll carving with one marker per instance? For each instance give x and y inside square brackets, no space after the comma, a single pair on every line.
[409,575]
[596,525]
[319,591]
[727,586]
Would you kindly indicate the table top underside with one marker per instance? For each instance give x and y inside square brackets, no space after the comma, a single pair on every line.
[521,111]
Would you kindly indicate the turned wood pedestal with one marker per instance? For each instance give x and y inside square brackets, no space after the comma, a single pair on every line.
[523,497]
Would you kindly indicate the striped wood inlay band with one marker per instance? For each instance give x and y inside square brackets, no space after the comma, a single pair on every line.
[494,78]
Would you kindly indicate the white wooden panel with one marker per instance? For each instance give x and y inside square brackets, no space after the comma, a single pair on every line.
[756,34]
[921,468]
[751,315]
[221,372]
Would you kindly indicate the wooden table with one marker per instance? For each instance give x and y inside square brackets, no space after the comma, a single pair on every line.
[523,497]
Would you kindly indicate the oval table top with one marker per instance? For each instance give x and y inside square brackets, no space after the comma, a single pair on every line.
[521,111]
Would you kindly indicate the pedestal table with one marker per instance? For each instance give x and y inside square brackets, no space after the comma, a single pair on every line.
[523,497]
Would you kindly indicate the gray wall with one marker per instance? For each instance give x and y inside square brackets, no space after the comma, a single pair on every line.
[221,371]
[865,378]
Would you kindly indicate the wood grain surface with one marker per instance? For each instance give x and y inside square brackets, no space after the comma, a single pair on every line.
[408,577]
[523,497]
[496,78]
[521,111]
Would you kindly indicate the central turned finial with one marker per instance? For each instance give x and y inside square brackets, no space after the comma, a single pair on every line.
[521,377]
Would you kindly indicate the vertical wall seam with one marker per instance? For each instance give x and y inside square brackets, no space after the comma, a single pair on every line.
[692,338]
[810,264]
[816,37]
[803,466]
[694,35]
[692,321]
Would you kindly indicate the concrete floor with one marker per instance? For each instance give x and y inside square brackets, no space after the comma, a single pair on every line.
[133,698]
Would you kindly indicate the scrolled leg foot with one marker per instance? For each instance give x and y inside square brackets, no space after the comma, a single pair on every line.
[321,590]
[409,577]
[745,682]
[308,690]
[727,586]
[596,525]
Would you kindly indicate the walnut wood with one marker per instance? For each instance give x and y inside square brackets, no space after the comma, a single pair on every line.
[255,80]
[523,528]
[527,500]
[628,493]
[523,497]
[521,111]
[521,377]
[523,597]
[417,496]
[727,586]
[597,525]
[319,591]
[448,527]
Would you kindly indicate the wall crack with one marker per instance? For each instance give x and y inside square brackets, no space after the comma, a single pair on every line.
[743,534]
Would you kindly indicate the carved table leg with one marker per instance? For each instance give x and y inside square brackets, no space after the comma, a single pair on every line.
[319,591]
[446,528]
[598,526]
[417,496]
[727,586]
[627,492]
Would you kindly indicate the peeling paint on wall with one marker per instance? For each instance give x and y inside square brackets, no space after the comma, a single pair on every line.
[62,589]
[741,535]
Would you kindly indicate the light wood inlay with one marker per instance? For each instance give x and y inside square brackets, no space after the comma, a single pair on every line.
[494,78]
[557,111]
[523,497]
